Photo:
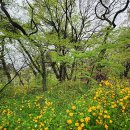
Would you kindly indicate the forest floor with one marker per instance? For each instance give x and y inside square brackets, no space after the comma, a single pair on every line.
[67,106]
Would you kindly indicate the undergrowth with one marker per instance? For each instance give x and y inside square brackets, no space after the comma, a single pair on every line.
[69,105]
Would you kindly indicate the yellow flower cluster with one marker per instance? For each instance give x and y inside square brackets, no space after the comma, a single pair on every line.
[107,98]
[78,123]
[8,112]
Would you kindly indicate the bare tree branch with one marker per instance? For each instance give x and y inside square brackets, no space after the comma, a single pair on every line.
[107,11]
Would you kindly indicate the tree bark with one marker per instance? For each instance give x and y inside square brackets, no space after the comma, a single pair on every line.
[44,74]
[4,63]
[127,69]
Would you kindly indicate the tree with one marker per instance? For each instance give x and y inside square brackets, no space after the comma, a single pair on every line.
[109,13]
[68,24]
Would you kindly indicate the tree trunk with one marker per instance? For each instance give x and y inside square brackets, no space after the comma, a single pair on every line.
[55,70]
[6,70]
[127,69]
[62,72]
[72,71]
[44,75]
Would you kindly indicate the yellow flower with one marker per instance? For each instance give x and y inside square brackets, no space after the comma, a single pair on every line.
[100,114]
[106,126]
[80,113]
[35,120]
[67,111]
[113,106]
[73,107]
[79,128]
[87,119]
[105,116]
[106,83]
[98,107]
[110,121]
[69,121]
[121,103]
[108,116]
[97,93]
[71,114]
[100,85]
[126,97]
[89,110]
[99,117]
[81,120]
[4,111]
[40,116]
[76,124]
[93,108]
[94,98]
[82,125]
[100,122]
[97,122]
[121,100]
[112,96]
[105,111]
[46,128]
[41,124]
[94,114]
[123,111]
[123,107]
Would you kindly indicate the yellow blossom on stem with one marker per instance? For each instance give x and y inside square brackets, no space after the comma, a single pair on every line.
[94,98]
[123,107]
[105,111]
[97,122]
[71,114]
[94,114]
[46,128]
[121,100]
[69,122]
[79,128]
[110,121]
[67,111]
[87,119]
[82,125]
[106,126]
[98,107]
[77,124]
[93,108]
[73,107]
[108,116]
[100,85]
[89,110]
[105,116]
[81,120]
[41,124]
[100,113]
[126,97]
[121,103]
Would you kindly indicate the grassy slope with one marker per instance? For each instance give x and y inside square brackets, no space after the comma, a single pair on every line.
[22,108]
